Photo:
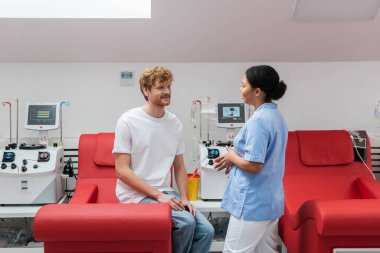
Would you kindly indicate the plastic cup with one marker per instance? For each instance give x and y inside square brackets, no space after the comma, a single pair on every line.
[193,186]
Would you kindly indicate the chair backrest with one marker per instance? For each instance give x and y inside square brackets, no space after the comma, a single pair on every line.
[319,165]
[95,158]
[329,152]
[96,164]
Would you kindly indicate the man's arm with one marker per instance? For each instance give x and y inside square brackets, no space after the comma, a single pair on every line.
[125,174]
[180,175]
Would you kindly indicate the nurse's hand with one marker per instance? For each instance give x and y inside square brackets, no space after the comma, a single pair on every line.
[228,170]
[225,161]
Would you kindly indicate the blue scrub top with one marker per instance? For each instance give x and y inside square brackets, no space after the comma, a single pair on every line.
[258,197]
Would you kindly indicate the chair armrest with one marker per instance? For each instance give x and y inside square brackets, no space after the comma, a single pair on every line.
[85,193]
[352,217]
[103,222]
[368,187]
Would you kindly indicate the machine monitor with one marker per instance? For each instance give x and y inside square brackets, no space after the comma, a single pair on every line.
[42,116]
[231,115]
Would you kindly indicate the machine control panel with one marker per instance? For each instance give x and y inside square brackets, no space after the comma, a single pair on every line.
[31,161]
[31,176]
[208,154]
[213,182]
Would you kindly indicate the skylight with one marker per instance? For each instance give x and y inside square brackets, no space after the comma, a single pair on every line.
[108,9]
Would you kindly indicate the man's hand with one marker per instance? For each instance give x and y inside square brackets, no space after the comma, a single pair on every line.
[172,200]
[225,161]
[190,206]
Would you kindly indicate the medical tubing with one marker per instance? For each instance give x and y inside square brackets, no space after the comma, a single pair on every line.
[357,152]
[196,171]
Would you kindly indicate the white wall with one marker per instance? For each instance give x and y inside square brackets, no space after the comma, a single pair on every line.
[334,95]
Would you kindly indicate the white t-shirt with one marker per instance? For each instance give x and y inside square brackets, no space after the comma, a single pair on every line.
[153,144]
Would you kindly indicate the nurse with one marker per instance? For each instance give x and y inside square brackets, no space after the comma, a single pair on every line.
[254,195]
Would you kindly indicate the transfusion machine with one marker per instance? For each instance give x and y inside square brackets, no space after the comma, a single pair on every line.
[213,182]
[31,173]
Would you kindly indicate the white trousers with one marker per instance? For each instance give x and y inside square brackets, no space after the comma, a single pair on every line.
[251,236]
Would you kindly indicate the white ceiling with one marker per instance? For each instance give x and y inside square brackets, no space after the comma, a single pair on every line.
[193,31]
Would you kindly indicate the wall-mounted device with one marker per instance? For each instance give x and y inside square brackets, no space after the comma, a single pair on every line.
[127,78]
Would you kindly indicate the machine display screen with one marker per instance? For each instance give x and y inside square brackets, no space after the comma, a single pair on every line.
[231,113]
[42,114]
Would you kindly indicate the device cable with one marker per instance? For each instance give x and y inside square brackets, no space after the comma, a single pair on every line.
[360,157]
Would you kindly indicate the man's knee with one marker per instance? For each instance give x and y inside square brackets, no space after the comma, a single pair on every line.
[185,223]
[205,231]
[208,229]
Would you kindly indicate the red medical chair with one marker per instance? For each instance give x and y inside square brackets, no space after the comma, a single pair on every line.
[93,220]
[331,201]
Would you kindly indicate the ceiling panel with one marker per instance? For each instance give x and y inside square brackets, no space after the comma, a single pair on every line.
[192,31]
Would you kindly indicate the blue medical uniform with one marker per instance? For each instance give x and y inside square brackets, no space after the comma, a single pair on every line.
[258,197]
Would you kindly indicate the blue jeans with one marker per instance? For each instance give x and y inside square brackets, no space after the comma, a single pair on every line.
[190,234]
